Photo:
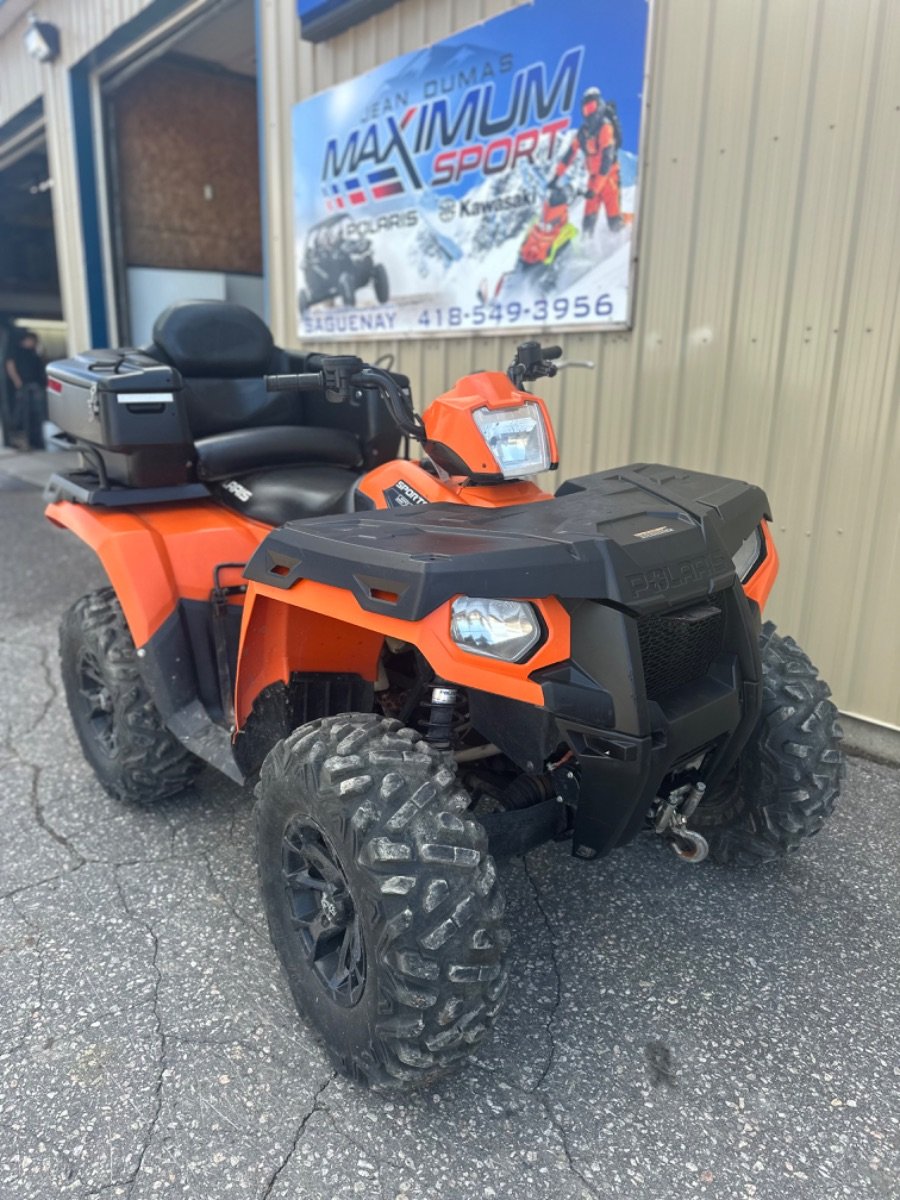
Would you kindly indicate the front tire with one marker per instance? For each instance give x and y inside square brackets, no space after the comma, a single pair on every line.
[121,732]
[787,778]
[381,899]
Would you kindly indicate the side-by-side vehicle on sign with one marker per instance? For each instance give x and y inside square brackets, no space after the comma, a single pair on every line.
[421,662]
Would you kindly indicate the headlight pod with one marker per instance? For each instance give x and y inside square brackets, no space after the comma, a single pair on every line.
[504,629]
[748,555]
[516,437]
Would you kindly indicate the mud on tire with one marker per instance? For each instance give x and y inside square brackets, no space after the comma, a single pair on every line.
[425,976]
[120,730]
[787,778]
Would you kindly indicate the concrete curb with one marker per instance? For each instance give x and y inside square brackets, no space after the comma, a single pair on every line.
[865,739]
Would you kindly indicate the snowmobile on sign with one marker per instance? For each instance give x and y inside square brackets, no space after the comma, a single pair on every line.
[543,247]
[552,233]
[337,262]
[417,684]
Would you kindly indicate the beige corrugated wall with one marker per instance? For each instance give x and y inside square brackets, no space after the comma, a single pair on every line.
[765,339]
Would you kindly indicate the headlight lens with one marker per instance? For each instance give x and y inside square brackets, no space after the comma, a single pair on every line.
[504,629]
[517,439]
[748,555]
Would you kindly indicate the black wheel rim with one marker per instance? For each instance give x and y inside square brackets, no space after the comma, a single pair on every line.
[98,704]
[323,913]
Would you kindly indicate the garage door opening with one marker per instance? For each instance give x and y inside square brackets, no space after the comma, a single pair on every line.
[29,277]
[182,167]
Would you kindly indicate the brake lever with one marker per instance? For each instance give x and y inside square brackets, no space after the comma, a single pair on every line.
[586,363]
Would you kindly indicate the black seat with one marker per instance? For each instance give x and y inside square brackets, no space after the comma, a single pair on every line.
[276,456]
[224,455]
[280,494]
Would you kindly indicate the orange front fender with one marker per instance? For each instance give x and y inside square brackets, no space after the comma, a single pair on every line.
[316,627]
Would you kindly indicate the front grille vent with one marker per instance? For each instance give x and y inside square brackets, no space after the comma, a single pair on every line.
[678,647]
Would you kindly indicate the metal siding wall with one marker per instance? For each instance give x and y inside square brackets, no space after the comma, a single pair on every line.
[82,25]
[766,327]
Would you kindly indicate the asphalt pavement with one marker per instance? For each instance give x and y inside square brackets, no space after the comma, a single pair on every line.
[672,1031]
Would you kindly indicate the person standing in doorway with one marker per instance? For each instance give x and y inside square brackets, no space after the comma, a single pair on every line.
[25,371]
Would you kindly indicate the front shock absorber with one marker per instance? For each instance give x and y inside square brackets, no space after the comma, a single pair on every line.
[441,707]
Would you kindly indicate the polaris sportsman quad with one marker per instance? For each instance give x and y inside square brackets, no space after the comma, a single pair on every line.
[420,660]
[337,263]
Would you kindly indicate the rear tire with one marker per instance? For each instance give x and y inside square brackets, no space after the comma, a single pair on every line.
[120,730]
[380,283]
[382,901]
[787,778]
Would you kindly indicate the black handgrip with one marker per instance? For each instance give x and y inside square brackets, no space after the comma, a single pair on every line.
[551,352]
[293,383]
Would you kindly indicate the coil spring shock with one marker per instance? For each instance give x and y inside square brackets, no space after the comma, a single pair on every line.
[441,708]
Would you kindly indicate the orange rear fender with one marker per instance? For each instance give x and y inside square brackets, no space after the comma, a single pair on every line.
[157,555]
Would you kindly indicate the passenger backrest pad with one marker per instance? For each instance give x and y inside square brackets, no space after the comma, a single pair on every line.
[212,339]
[223,351]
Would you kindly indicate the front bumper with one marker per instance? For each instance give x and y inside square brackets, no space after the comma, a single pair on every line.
[626,742]
[623,764]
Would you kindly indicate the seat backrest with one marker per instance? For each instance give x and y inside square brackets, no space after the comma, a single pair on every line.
[223,351]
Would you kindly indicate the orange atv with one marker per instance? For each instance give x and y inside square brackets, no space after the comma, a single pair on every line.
[420,660]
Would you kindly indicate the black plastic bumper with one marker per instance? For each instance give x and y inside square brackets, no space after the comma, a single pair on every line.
[622,763]
[625,743]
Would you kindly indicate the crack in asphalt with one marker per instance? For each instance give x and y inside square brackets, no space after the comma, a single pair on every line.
[314,1108]
[38,808]
[36,769]
[533,1092]
[230,905]
[161,1062]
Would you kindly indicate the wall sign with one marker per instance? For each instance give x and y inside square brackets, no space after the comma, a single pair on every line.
[320,19]
[487,182]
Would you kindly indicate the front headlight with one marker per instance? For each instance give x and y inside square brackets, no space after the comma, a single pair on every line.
[504,629]
[516,437]
[748,555]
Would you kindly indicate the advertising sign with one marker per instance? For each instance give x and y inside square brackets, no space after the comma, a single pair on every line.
[320,19]
[487,182]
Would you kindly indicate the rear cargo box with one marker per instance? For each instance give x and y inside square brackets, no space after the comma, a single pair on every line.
[128,410]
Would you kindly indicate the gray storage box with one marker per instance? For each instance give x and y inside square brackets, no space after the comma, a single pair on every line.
[130,409]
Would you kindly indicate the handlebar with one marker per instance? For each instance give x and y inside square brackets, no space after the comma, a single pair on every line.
[291,383]
[533,361]
[344,378]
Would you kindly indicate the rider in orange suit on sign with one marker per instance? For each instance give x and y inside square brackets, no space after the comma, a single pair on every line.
[598,139]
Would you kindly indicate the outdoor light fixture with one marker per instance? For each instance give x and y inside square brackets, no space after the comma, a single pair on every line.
[42,40]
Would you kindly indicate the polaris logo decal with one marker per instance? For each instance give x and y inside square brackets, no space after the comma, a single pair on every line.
[677,575]
[649,533]
[403,495]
